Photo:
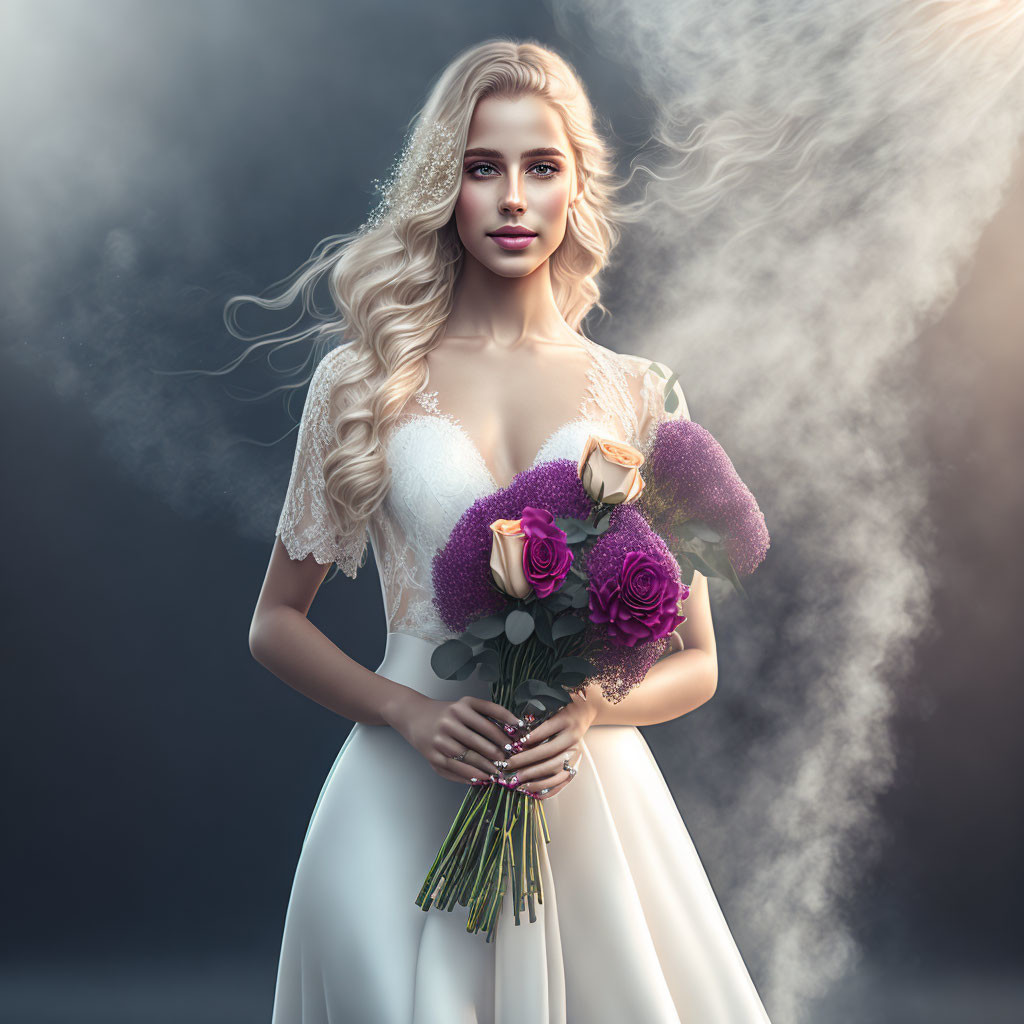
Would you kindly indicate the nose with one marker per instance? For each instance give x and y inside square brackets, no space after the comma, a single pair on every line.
[513,201]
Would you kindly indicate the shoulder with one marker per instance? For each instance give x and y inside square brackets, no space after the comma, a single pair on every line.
[332,363]
[657,386]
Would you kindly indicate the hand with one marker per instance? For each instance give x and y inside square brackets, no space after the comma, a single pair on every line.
[539,765]
[440,728]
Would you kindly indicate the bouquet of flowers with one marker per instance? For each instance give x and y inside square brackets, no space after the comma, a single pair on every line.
[573,575]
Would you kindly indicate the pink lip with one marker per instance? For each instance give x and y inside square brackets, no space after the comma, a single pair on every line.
[513,241]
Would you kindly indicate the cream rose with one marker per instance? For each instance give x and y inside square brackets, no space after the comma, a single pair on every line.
[507,542]
[614,464]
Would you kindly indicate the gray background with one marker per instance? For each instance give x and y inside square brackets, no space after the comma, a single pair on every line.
[158,780]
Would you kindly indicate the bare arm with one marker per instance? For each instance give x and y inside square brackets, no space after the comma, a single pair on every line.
[284,641]
[676,684]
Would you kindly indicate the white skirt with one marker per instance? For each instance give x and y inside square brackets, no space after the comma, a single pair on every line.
[630,928]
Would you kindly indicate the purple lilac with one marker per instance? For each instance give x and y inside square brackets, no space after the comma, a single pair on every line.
[463,589]
[623,667]
[688,475]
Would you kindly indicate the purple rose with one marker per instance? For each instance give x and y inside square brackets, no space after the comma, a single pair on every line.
[641,605]
[546,555]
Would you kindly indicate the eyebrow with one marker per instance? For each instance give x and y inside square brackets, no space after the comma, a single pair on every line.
[496,154]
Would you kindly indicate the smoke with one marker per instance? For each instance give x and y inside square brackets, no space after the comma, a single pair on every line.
[821,174]
[820,171]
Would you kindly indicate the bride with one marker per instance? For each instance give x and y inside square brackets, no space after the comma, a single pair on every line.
[472,277]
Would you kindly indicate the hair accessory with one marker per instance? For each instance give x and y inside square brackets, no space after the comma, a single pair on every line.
[423,175]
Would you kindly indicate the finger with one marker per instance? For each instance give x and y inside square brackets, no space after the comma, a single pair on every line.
[480,723]
[548,727]
[546,769]
[471,740]
[460,771]
[535,753]
[488,707]
[553,790]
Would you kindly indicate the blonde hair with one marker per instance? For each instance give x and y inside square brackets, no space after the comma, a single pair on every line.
[392,280]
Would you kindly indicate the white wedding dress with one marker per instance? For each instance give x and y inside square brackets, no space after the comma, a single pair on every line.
[630,928]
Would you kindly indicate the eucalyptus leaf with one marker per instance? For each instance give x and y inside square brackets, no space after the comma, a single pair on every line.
[694,529]
[701,565]
[449,657]
[567,625]
[573,663]
[488,663]
[518,625]
[558,601]
[542,625]
[570,679]
[487,628]
[466,671]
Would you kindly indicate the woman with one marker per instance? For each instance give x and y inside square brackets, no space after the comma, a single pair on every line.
[474,275]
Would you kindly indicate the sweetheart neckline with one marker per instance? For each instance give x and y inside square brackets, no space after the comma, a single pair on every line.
[454,422]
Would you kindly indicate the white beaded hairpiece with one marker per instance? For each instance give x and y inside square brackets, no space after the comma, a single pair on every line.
[423,174]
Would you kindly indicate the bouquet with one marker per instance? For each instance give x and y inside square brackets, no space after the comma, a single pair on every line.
[575,574]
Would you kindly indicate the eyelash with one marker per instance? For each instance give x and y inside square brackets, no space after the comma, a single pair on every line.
[554,168]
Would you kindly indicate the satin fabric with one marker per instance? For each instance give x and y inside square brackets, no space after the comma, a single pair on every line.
[630,927]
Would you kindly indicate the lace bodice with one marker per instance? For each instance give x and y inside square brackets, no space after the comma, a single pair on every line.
[437,471]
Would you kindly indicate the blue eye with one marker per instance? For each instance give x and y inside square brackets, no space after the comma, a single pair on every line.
[479,167]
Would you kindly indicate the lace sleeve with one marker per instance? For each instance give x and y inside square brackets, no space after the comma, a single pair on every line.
[659,403]
[306,525]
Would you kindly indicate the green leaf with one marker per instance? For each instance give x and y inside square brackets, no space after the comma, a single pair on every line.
[542,625]
[558,601]
[572,663]
[466,671]
[567,625]
[449,657]
[538,693]
[518,625]
[570,679]
[575,529]
[487,628]
[694,529]
[487,661]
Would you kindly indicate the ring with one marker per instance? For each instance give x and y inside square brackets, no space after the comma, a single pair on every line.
[566,767]
[460,757]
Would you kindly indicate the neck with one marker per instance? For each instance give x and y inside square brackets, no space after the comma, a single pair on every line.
[505,313]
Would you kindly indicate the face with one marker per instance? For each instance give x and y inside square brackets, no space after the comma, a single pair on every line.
[518,172]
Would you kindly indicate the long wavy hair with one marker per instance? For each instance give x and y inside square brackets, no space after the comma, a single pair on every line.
[392,281]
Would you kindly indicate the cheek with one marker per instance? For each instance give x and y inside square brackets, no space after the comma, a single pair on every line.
[551,203]
[472,205]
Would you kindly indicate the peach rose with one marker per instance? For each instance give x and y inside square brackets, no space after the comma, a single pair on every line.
[507,542]
[614,464]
